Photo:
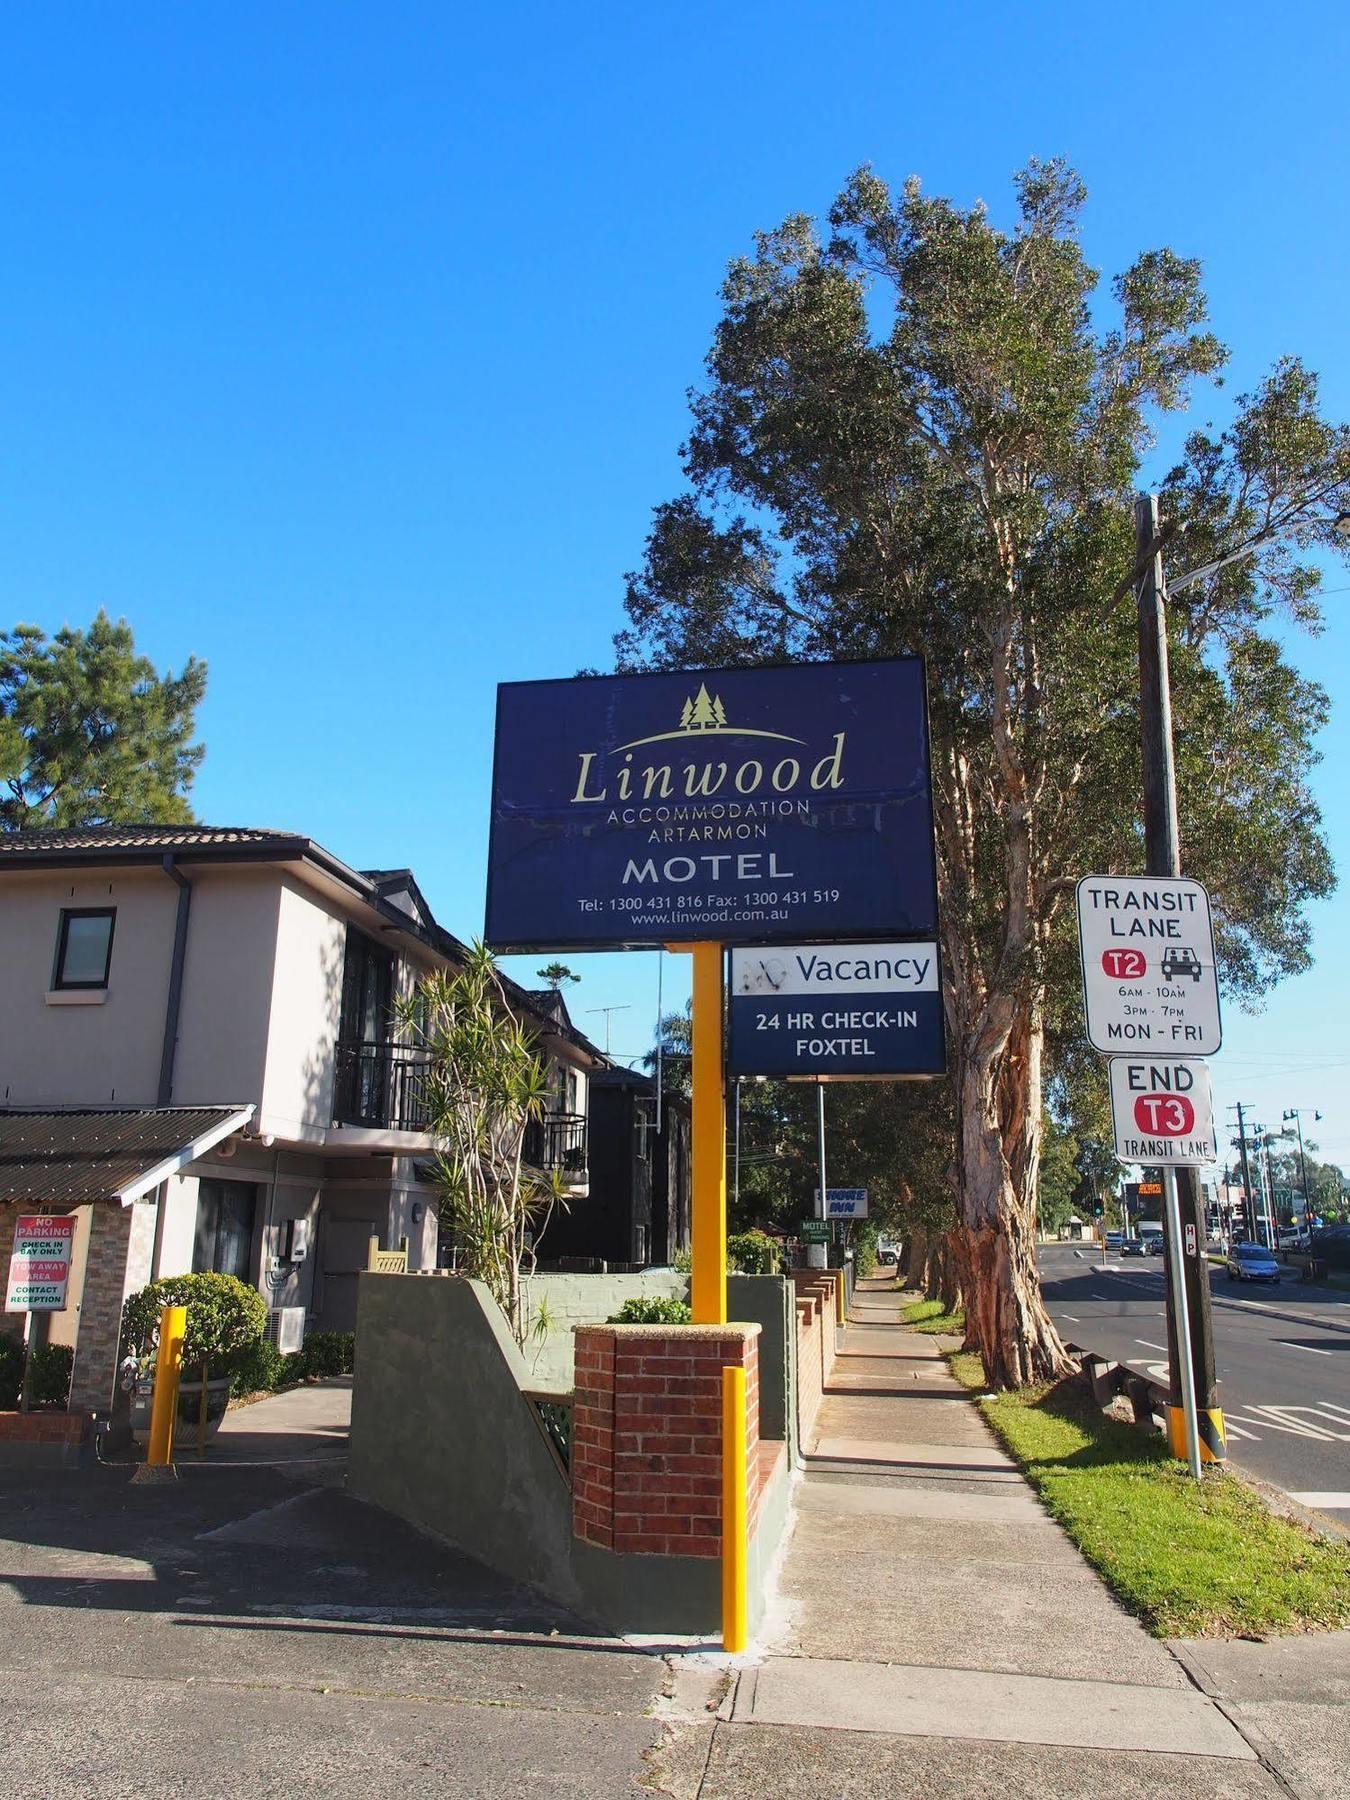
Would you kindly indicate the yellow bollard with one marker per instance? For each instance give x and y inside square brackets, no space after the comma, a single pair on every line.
[168,1367]
[735,1629]
[708,1274]
[839,1297]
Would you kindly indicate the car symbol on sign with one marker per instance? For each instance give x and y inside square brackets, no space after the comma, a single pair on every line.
[1181,961]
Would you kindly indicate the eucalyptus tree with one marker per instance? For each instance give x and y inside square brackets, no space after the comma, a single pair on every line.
[922,432]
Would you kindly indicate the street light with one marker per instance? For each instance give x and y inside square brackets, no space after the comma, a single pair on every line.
[1296,1115]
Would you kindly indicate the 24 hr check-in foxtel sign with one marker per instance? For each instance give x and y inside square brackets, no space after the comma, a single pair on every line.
[845,1010]
[765,805]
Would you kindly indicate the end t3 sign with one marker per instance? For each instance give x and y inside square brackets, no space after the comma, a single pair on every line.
[1162,1110]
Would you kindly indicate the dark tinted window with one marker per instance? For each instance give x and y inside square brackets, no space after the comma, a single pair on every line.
[84,948]
[224,1238]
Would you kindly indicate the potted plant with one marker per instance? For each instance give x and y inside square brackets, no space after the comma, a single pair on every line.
[225,1319]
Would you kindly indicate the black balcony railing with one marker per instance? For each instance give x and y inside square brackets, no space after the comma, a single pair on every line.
[381,1085]
[557,1141]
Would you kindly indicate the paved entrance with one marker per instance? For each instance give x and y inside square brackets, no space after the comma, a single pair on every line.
[941,1634]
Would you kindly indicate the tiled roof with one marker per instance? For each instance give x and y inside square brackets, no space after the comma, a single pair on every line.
[71,1156]
[140,837]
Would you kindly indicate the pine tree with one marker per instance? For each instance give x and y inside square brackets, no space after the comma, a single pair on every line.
[90,733]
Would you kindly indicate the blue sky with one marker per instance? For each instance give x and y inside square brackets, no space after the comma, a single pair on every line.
[346,347]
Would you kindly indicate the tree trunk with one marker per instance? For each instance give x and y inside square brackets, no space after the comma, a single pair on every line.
[1000,1130]
[916,1258]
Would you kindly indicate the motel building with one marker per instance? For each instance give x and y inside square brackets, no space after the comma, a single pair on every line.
[198,1063]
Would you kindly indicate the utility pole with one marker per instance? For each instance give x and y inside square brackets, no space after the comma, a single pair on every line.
[1248,1201]
[1295,1113]
[1194,1398]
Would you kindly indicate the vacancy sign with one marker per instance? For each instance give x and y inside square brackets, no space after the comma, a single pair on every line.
[1162,1110]
[1149,981]
[39,1267]
[836,1010]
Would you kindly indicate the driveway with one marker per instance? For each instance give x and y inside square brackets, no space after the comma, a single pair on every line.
[251,1628]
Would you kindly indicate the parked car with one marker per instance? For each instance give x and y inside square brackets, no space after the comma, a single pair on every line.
[1252,1262]
[1153,1244]
[1133,1247]
[888,1254]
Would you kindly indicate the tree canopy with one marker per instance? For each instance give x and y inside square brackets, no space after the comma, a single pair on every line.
[90,733]
[921,432]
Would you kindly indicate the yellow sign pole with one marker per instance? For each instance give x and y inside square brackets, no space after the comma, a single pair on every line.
[708,1279]
[168,1366]
[735,1626]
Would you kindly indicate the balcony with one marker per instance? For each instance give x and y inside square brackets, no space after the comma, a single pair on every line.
[381,1086]
[558,1141]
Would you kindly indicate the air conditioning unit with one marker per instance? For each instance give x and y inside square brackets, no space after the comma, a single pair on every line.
[286,1328]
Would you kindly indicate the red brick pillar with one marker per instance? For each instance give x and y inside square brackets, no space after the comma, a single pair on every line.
[647,1435]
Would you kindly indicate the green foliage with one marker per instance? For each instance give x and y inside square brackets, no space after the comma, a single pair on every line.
[557,975]
[753,1253]
[1059,1178]
[1192,1560]
[921,431]
[11,1371]
[257,1369]
[484,1083]
[90,734]
[328,1353]
[865,1247]
[49,1383]
[225,1318]
[651,1309]
[676,1033]
[932,1316]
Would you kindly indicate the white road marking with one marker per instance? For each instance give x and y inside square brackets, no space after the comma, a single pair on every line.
[1312,1349]
[1148,1346]
[1335,1501]
[1072,1317]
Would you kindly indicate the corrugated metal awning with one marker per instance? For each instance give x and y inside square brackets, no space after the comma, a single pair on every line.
[71,1156]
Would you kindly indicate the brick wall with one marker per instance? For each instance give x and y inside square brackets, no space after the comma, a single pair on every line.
[647,1435]
[817,1314]
[105,1285]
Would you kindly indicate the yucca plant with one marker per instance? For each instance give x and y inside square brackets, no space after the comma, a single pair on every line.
[484,1083]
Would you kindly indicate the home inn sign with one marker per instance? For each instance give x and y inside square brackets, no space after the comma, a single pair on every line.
[732,805]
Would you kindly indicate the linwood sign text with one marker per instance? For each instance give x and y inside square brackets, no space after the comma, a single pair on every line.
[728,804]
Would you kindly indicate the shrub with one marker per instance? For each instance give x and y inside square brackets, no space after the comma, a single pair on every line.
[257,1369]
[49,1384]
[225,1318]
[651,1309]
[326,1353]
[11,1371]
[753,1253]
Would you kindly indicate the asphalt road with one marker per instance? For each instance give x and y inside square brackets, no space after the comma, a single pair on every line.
[1283,1357]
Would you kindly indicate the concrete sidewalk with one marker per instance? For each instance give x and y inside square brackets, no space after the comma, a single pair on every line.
[942,1635]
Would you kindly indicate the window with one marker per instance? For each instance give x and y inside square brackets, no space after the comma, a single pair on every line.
[224,1238]
[84,947]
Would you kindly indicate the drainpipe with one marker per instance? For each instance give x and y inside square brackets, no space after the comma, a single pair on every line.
[180,931]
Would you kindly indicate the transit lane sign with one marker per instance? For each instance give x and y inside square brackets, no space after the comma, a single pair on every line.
[1149,977]
[836,1009]
[1162,1110]
[39,1266]
[844,1203]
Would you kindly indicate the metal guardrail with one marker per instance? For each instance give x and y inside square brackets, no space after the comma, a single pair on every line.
[382,1085]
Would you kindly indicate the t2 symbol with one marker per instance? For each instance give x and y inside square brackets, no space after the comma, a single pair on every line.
[1125,965]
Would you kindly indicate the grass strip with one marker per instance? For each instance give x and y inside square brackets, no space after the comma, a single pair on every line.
[1190,1561]
[932,1316]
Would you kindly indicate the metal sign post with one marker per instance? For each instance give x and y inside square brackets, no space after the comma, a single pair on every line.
[1176,1282]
